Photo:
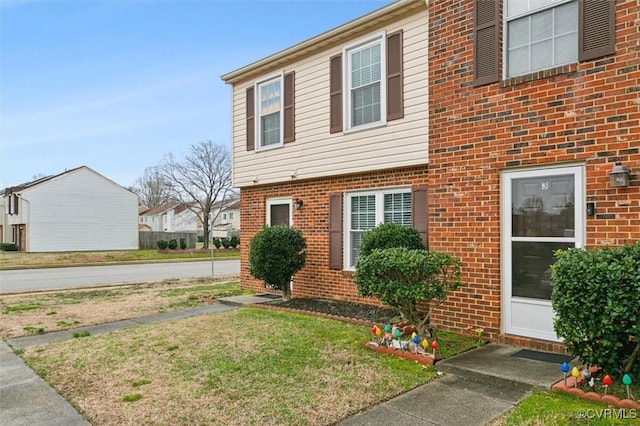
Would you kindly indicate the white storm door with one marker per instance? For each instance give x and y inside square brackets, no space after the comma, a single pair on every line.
[279,212]
[542,211]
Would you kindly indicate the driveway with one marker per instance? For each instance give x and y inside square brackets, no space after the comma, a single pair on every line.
[24,280]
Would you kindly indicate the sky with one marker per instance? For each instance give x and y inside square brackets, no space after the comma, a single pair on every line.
[116,85]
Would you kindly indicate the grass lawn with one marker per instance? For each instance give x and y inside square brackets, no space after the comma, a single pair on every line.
[247,366]
[44,260]
[561,409]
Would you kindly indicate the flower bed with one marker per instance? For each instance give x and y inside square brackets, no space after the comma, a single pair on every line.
[576,389]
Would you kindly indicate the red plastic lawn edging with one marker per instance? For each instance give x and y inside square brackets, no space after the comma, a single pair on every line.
[425,359]
[592,396]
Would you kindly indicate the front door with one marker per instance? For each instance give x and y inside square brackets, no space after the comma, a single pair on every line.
[542,211]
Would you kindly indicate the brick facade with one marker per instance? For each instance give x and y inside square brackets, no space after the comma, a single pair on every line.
[586,113]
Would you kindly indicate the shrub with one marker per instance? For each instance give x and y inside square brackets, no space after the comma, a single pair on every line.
[234,241]
[201,238]
[162,244]
[8,247]
[389,235]
[183,243]
[275,254]
[403,278]
[216,242]
[596,297]
[225,242]
[173,244]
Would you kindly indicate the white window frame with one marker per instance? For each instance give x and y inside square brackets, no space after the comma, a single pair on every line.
[258,118]
[277,202]
[550,4]
[379,212]
[377,38]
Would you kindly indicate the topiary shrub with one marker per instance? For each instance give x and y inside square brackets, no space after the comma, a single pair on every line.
[225,242]
[216,242]
[183,243]
[387,235]
[173,244]
[275,254]
[234,241]
[403,278]
[596,297]
[162,244]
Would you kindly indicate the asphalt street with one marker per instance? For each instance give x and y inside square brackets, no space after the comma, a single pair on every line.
[22,280]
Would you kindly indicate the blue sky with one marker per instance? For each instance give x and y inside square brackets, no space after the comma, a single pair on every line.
[117,84]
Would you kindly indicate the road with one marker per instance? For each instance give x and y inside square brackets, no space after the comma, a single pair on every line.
[87,276]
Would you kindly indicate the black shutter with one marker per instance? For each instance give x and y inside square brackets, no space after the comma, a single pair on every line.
[10,203]
[335,94]
[289,110]
[395,89]
[15,204]
[251,130]
[486,43]
[420,212]
[596,29]
[335,231]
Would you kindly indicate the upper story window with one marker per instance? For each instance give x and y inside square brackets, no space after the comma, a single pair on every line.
[365,92]
[541,34]
[269,112]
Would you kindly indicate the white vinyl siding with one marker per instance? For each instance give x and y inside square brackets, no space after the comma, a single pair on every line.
[365,210]
[318,153]
[364,69]
[540,35]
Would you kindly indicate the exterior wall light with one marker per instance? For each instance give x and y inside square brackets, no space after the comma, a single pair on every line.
[619,176]
[297,204]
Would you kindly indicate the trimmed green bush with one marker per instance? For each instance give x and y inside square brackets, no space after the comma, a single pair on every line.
[162,244]
[404,278]
[173,244]
[8,247]
[389,235]
[225,242]
[183,243]
[234,241]
[216,242]
[275,254]
[596,297]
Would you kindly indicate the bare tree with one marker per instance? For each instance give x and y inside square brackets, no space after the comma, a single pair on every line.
[202,179]
[152,188]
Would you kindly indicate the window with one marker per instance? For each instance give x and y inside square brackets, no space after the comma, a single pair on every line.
[365,210]
[224,216]
[540,35]
[269,113]
[365,94]
[279,212]
[230,215]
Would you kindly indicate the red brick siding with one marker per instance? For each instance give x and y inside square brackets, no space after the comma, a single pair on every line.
[315,280]
[587,113]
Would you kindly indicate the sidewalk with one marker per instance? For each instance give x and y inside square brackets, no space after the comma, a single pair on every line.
[478,386]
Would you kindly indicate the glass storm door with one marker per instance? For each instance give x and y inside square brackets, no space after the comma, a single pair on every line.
[542,211]
[279,212]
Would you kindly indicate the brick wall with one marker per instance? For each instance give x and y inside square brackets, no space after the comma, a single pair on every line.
[315,280]
[587,113]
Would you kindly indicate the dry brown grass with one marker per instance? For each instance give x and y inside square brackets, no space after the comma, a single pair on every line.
[58,310]
[243,367]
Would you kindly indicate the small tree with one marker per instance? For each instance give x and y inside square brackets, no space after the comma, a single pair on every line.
[404,278]
[275,254]
[596,297]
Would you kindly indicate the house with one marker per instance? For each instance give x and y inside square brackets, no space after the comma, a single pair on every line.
[77,210]
[330,136]
[524,133]
[227,221]
[517,133]
[172,218]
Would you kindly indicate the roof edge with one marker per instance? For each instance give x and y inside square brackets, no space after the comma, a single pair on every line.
[323,40]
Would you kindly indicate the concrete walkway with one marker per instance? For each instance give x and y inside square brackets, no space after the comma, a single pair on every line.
[477,387]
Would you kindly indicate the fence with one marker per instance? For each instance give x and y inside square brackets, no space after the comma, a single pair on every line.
[149,239]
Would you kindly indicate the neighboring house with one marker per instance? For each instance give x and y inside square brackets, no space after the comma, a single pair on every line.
[77,210]
[227,223]
[172,218]
[530,106]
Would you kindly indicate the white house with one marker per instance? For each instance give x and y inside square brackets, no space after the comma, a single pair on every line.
[227,221]
[172,218]
[78,210]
